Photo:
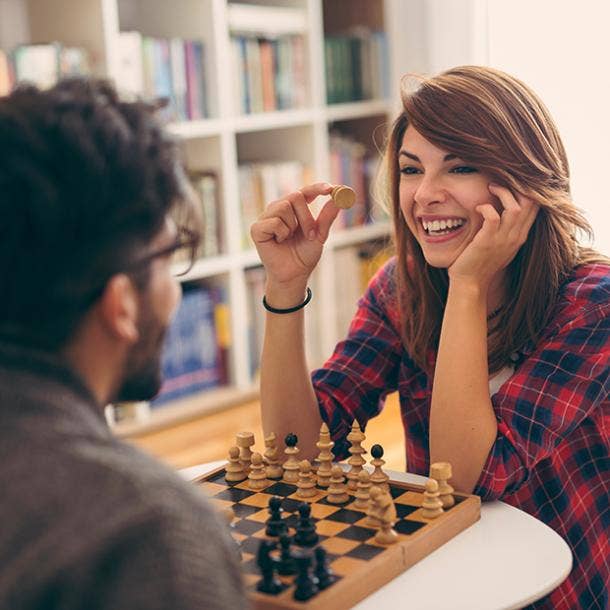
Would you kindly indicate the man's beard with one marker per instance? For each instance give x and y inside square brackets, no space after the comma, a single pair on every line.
[143,379]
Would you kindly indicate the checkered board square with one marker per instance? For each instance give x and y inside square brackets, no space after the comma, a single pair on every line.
[361,564]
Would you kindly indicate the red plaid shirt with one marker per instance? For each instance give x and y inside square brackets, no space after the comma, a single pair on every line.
[551,455]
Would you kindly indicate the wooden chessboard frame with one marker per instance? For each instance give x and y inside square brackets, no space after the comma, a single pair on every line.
[384,567]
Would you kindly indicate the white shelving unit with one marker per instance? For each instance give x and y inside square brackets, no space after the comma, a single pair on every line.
[221,142]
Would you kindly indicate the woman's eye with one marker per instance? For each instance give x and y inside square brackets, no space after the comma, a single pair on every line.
[464,169]
[409,169]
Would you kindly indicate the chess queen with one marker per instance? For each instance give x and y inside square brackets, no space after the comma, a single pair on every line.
[491,320]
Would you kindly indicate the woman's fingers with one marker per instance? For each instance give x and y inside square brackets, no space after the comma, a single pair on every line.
[518,215]
[266,229]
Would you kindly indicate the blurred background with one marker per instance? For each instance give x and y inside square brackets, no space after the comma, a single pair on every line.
[266,95]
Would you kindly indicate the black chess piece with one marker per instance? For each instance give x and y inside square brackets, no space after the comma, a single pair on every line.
[306,534]
[322,571]
[291,440]
[306,586]
[267,564]
[287,565]
[377,451]
[276,526]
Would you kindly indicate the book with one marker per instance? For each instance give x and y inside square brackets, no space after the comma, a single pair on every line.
[190,359]
[37,64]
[178,78]
[130,63]
[206,187]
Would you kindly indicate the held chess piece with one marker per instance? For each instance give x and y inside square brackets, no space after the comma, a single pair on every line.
[441,471]
[356,461]
[363,492]
[306,586]
[234,470]
[306,485]
[378,477]
[244,441]
[257,479]
[274,468]
[387,516]
[291,465]
[322,571]
[287,565]
[269,583]
[325,457]
[337,492]
[343,196]
[306,534]
[432,506]
[276,526]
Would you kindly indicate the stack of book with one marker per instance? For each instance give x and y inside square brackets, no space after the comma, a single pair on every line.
[261,183]
[356,67]
[351,163]
[169,69]
[194,352]
[269,73]
[41,64]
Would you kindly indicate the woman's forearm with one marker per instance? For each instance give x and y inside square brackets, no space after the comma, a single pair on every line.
[463,426]
[288,401]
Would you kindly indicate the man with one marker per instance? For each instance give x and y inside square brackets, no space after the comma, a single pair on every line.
[89,186]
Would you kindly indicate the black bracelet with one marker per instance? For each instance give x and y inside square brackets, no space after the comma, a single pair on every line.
[290,309]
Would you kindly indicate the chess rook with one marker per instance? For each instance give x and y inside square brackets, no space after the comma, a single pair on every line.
[244,441]
[441,472]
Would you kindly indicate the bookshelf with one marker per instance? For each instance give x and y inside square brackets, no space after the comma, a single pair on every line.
[228,137]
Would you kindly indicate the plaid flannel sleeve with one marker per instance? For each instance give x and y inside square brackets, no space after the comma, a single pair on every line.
[363,369]
[558,386]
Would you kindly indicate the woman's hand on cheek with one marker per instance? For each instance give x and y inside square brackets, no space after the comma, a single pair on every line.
[499,238]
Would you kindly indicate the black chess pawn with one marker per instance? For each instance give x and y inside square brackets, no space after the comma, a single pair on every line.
[276,526]
[267,564]
[291,440]
[306,586]
[323,572]
[287,566]
[306,534]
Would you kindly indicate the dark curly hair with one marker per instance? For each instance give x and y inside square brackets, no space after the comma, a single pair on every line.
[86,181]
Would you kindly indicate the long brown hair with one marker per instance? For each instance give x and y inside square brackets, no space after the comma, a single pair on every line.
[493,121]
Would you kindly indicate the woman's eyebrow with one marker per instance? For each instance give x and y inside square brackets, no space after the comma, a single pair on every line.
[449,157]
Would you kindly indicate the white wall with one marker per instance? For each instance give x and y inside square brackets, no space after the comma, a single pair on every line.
[562,50]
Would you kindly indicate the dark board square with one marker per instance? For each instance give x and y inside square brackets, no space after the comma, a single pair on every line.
[250,545]
[355,532]
[408,527]
[234,495]
[219,479]
[327,503]
[365,551]
[243,510]
[345,515]
[280,489]
[396,491]
[403,510]
[247,527]
[290,505]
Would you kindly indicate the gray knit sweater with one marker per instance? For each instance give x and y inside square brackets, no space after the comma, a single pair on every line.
[89,522]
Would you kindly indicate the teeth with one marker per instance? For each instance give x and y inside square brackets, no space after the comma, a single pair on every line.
[442,225]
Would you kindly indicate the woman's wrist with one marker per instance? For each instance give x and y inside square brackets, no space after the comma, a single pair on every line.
[285,296]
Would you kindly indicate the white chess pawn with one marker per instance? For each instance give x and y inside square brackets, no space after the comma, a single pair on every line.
[257,479]
[432,505]
[306,485]
[234,470]
[337,493]
[441,472]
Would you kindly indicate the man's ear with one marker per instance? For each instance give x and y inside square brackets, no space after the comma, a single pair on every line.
[118,308]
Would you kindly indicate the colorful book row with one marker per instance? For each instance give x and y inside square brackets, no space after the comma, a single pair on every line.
[269,73]
[357,67]
[41,64]
[170,69]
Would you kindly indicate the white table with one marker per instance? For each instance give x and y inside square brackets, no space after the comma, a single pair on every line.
[506,560]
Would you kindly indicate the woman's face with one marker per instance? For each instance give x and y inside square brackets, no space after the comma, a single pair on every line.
[438,196]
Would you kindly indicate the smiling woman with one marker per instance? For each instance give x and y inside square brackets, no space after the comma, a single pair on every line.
[491,322]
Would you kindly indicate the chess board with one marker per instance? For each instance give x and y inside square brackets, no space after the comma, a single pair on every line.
[362,565]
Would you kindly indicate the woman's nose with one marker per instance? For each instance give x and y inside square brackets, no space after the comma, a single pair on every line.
[429,191]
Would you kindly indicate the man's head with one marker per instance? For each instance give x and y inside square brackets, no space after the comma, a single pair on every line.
[88,184]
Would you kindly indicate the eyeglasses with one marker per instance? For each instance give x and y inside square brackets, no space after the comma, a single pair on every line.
[183,252]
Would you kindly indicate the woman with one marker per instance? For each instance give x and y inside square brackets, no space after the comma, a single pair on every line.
[491,322]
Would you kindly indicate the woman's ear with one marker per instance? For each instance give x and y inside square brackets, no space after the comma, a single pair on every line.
[118,308]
